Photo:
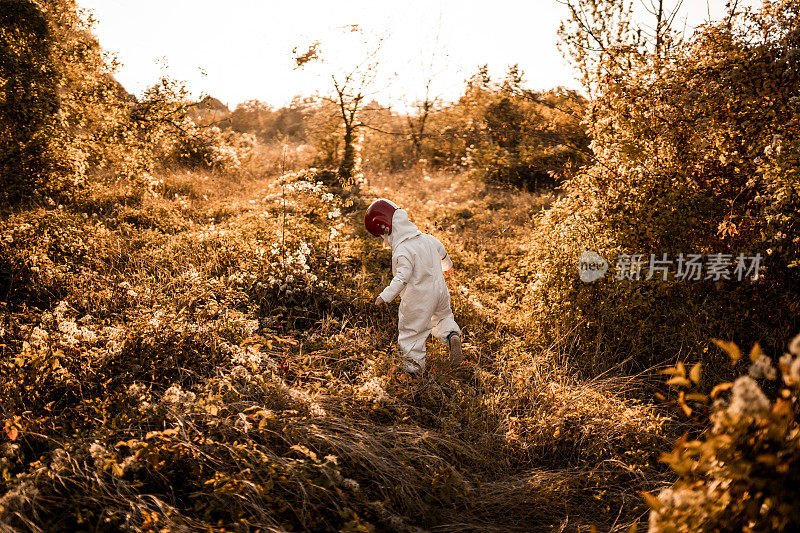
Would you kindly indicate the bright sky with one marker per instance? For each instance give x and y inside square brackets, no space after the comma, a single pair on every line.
[241,49]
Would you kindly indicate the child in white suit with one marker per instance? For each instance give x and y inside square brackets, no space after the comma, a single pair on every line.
[419,264]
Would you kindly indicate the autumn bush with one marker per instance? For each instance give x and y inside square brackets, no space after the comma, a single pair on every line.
[735,475]
[68,125]
[48,62]
[89,270]
[695,152]
[501,132]
[507,134]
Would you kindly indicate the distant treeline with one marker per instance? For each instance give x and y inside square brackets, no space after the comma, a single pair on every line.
[65,121]
[498,129]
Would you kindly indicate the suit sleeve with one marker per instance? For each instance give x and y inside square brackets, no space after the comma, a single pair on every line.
[401,277]
[447,263]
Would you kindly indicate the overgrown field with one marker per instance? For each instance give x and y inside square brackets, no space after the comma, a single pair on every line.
[188,340]
[217,364]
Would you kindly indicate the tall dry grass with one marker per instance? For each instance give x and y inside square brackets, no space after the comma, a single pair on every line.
[208,358]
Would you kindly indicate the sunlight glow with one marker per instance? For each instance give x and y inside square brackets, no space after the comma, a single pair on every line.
[243,50]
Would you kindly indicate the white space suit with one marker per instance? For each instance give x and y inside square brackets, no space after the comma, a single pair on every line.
[418,260]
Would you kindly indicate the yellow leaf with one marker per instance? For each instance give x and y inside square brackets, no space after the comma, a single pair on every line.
[730,348]
[682,403]
[756,352]
[719,389]
[697,397]
[678,381]
[652,501]
[695,373]
[782,408]
[767,459]
[212,410]
[305,451]
[680,369]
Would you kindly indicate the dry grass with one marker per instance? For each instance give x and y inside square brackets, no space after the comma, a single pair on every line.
[208,389]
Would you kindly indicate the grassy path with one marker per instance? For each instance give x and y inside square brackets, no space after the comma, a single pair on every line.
[217,364]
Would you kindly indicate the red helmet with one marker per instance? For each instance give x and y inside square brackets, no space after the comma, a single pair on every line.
[379,216]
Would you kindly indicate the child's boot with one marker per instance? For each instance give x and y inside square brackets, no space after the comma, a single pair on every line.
[454,342]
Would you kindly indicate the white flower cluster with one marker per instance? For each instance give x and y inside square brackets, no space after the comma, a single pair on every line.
[472,299]
[317,188]
[39,338]
[17,498]
[74,335]
[248,357]
[182,201]
[152,182]
[303,181]
[790,363]
[373,390]
[128,288]
[300,279]
[59,328]
[140,395]
[59,460]
[302,396]
[747,399]
[155,320]
[762,368]
[9,450]
[137,392]
[99,453]
[175,396]
[191,276]
[676,499]
[250,327]
[241,278]
[70,333]
[241,375]
[115,339]
[227,151]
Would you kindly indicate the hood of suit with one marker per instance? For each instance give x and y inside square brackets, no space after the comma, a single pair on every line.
[402,228]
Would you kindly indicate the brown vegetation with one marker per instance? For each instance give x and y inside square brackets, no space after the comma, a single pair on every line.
[187,340]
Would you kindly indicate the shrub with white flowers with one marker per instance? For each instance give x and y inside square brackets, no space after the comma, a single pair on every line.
[739,475]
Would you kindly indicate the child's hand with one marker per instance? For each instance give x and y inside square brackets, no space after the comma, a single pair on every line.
[379,301]
[448,273]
